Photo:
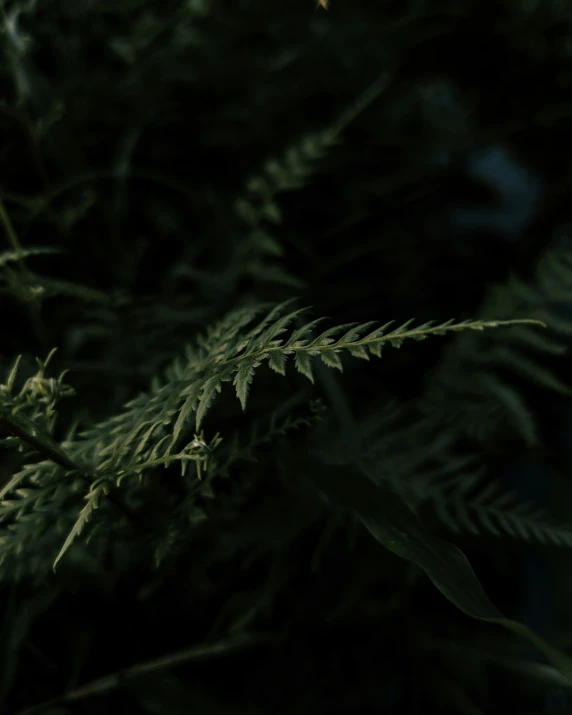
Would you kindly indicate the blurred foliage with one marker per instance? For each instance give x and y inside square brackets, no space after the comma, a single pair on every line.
[164,165]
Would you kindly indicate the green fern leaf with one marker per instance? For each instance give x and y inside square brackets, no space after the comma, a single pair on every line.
[358,351]
[558,323]
[277,362]
[12,375]
[499,511]
[277,328]
[188,407]
[514,404]
[146,437]
[304,365]
[529,369]
[327,337]
[269,319]
[301,336]
[243,379]
[210,388]
[544,343]
[331,359]
[94,499]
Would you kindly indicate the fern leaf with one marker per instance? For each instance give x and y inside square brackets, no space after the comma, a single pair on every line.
[55,287]
[529,369]
[358,351]
[192,396]
[241,359]
[327,337]
[355,332]
[277,362]
[558,323]
[92,504]
[499,510]
[543,343]
[12,375]
[207,396]
[330,358]
[300,336]
[243,378]
[268,319]
[277,328]
[514,404]
[146,437]
[304,365]
[156,451]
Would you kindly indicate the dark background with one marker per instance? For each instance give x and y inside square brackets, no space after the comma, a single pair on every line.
[129,130]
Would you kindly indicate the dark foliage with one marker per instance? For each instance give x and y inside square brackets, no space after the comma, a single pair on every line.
[178,179]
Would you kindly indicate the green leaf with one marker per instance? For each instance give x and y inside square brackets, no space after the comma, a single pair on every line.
[188,406]
[277,362]
[358,351]
[304,364]
[396,527]
[12,376]
[303,333]
[277,328]
[268,320]
[515,405]
[331,359]
[211,387]
[93,503]
[529,369]
[328,336]
[243,378]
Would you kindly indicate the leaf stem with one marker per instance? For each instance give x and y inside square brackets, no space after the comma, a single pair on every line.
[12,235]
[32,307]
[113,681]
[59,457]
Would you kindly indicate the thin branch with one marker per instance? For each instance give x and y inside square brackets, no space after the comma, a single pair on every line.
[12,236]
[115,680]
[59,457]
[32,307]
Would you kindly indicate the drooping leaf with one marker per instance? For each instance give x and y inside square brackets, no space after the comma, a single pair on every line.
[211,387]
[93,501]
[277,362]
[304,365]
[243,378]
[396,527]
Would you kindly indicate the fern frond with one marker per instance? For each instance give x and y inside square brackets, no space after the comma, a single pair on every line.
[514,404]
[527,368]
[93,502]
[494,509]
[261,433]
[118,451]
[327,346]
[489,394]
[257,204]
[295,166]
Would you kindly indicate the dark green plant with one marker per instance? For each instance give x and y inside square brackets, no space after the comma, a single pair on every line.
[173,492]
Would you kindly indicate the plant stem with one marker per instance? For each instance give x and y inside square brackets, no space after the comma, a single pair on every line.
[59,457]
[12,235]
[110,682]
[32,307]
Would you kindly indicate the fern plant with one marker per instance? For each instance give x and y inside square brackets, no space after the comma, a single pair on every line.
[490,394]
[153,430]
[171,175]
